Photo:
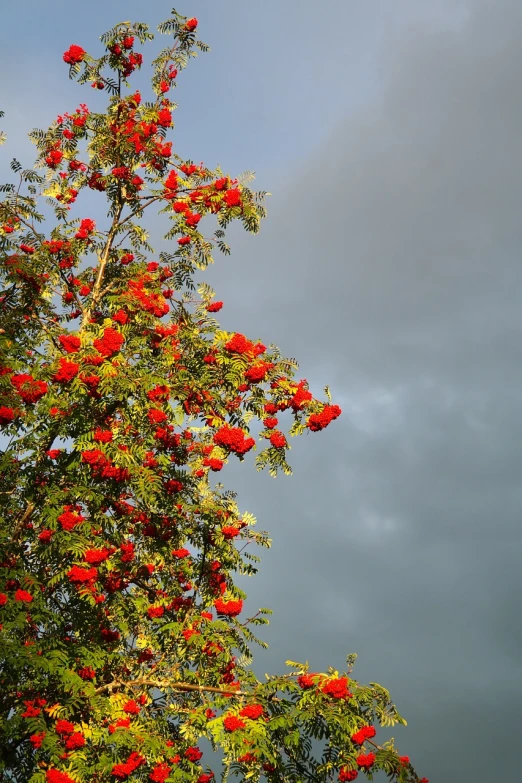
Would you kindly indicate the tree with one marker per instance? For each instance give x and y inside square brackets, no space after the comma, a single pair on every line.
[122,644]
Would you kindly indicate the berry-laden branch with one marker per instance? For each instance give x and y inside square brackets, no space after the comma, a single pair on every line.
[120,398]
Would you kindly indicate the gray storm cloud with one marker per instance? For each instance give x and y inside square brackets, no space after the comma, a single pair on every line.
[390,266]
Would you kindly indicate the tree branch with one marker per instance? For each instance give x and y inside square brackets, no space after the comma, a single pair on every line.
[181,686]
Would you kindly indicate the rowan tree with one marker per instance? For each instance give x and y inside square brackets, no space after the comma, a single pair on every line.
[123,642]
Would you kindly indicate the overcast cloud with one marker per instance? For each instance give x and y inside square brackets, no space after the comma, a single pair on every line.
[390,135]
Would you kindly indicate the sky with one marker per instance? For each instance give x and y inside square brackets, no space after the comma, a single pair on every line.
[389,134]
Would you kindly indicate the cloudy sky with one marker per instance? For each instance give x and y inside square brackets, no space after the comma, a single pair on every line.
[389,132]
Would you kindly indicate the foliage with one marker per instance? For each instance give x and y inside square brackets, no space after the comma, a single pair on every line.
[121,644]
